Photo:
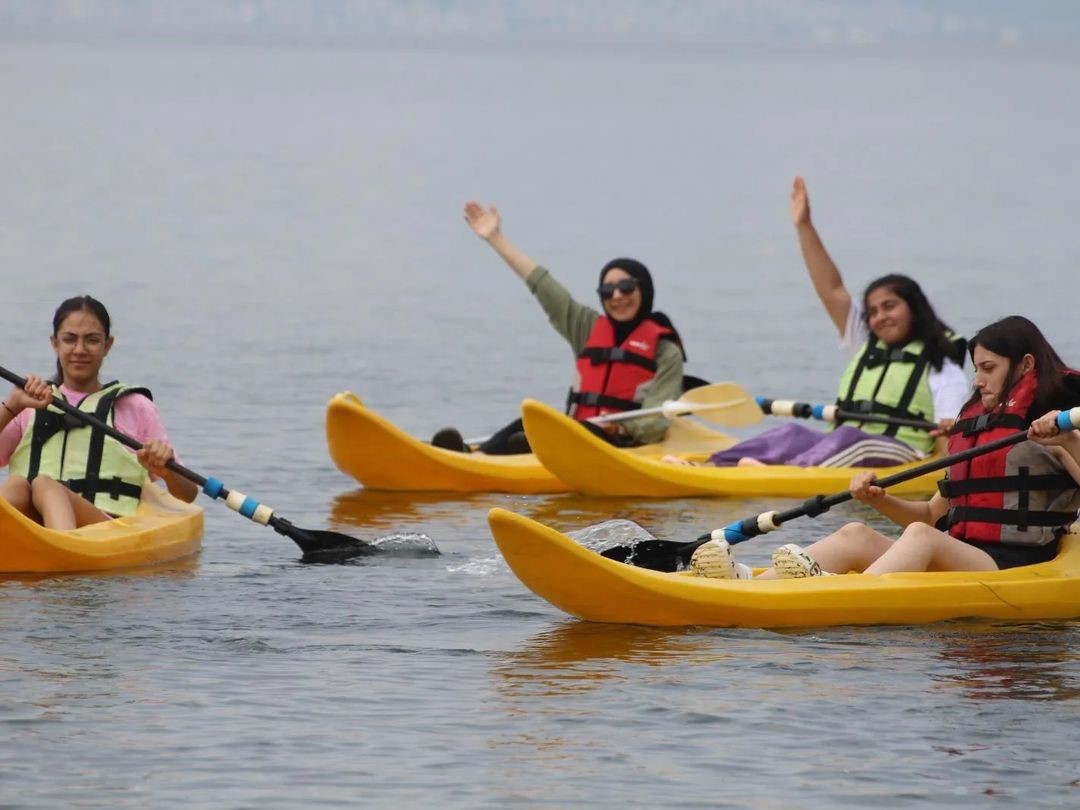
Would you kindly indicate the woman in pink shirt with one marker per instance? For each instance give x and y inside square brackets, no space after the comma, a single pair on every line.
[62,474]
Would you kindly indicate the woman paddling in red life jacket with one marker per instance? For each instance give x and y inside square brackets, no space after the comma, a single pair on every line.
[1004,509]
[62,472]
[628,358]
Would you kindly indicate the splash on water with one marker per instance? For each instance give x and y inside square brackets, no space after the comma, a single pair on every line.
[483,567]
[601,536]
[407,544]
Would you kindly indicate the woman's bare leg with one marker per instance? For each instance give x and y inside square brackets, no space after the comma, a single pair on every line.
[16,491]
[851,548]
[60,508]
[923,548]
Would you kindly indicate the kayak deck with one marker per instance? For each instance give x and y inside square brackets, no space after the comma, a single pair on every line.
[591,587]
[383,457]
[163,529]
[593,467]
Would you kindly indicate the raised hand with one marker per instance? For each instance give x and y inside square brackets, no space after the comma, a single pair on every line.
[485,222]
[800,203]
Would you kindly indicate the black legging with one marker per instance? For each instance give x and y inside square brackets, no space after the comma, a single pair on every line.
[511,440]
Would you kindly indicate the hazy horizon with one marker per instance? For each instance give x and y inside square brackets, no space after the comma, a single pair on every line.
[700,22]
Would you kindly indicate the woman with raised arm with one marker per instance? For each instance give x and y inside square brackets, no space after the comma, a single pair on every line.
[904,362]
[628,356]
[64,473]
[1006,508]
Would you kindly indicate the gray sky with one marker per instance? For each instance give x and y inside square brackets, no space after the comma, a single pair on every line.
[645,21]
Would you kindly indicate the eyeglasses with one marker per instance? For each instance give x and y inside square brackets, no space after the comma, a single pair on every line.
[625,286]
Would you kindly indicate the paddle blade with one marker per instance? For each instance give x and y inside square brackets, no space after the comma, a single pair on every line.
[333,547]
[724,403]
[656,555]
[323,546]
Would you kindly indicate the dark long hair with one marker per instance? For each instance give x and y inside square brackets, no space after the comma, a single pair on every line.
[1012,338]
[78,304]
[925,324]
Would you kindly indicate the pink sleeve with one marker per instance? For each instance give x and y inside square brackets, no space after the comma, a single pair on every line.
[12,434]
[138,417]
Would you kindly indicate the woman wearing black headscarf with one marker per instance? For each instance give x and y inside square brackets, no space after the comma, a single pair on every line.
[628,357]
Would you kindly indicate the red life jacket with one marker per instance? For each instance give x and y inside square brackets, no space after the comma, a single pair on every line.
[612,378]
[1018,495]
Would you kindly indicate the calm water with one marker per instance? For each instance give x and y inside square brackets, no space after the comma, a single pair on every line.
[269,226]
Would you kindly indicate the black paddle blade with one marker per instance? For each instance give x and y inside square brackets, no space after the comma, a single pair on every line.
[656,555]
[323,546]
[334,547]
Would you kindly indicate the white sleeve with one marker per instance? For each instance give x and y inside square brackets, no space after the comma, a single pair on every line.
[855,330]
[949,389]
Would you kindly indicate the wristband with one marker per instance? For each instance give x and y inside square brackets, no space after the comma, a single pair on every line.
[8,409]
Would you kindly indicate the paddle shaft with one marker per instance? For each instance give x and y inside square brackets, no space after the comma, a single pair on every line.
[670,409]
[742,410]
[308,542]
[769,521]
[823,503]
[831,413]
[668,555]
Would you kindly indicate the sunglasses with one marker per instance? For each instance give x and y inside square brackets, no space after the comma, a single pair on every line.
[625,286]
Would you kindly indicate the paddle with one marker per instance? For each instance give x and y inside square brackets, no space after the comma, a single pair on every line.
[833,413]
[723,403]
[317,546]
[669,555]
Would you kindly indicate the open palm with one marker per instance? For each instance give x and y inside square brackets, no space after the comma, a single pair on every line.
[800,202]
[485,222]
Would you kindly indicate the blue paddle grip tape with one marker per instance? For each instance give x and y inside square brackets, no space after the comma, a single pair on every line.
[213,487]
[818,411]
[741,532]
[248,507]
[1064,421]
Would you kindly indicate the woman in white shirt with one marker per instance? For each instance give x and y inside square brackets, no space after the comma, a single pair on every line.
[905,363]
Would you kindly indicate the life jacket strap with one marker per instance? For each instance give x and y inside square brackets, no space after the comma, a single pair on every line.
[114,487]
[868,407]
[1006,483]
[601,355]
[988,421]
[590,399]
[1021,518]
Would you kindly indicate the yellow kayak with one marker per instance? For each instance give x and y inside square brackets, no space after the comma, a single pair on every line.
[594,467]
[382,456]
[163,529]
[589,586]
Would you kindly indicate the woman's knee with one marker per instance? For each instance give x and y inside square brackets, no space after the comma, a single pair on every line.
[15,484]
[42,486]
[16,491]
[852,546]
[919,532]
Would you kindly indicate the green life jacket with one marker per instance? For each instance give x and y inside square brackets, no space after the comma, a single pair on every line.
[83,459]
[892,381]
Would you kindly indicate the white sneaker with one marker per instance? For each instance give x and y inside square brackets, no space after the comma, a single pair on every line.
[713,559]
[791,562]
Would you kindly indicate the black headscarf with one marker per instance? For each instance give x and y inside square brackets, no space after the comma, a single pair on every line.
[640,273]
